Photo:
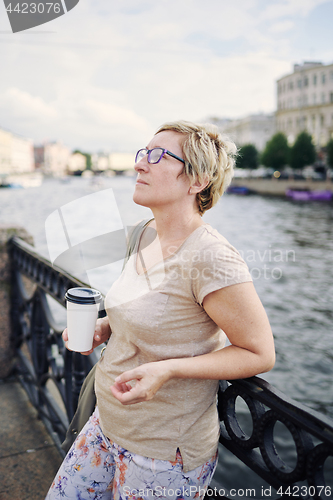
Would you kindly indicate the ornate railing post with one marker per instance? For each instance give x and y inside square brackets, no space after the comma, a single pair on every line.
[9,324]
[267,406]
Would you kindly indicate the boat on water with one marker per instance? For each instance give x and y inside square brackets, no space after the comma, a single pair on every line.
[11,185]
[25,180]
[303,194]
[241,190]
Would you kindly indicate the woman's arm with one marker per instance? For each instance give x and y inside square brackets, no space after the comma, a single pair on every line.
[101,335]
[237,310]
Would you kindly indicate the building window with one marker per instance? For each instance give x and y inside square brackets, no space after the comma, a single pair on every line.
[306,81]
[314,99]
[299,84]
[314,79]
[323,98]
[323,78]
[331,97]
[331,74]
[291,83]
[322,120]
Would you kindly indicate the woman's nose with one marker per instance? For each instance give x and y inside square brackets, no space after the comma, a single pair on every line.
[142,164]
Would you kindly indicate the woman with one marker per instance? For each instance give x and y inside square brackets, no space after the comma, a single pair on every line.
[155,430]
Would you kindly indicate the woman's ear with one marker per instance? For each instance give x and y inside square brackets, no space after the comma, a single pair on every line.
[198,185]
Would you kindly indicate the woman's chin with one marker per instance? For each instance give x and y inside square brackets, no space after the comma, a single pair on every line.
[139,200]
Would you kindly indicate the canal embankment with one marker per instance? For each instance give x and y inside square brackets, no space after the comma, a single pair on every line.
[278,187]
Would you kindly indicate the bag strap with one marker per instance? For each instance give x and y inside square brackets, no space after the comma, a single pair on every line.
[87,397]
[133,237]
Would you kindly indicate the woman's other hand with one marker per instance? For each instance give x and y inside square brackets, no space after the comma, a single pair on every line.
[102,334]
[141,383]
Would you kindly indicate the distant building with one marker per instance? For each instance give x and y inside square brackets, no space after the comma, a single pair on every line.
[305,102]
[100,162]
[117,162]
[254,129]
[121,162]
[77,162]
[52,158]
[16,154]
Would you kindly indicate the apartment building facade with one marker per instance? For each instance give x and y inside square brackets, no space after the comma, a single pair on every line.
[16,154]
[305,102]
[52,158]
[254,129]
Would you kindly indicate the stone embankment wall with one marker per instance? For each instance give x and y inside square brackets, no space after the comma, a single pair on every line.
[6,348]
[276,187]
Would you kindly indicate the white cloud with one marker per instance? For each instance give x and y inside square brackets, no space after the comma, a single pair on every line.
[112,72]
[282,26]
[110,114]
[280,9]
[24,106]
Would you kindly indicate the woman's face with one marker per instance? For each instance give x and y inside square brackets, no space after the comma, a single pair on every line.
[161,185]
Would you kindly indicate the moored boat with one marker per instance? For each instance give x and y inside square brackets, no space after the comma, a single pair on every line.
[242,190]
[303,194]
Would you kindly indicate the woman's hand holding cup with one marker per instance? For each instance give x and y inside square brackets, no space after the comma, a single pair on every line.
[102,334]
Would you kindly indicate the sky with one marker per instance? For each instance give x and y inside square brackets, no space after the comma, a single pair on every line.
[107,74]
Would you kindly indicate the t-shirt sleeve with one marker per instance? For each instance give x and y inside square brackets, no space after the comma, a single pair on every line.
[217,265]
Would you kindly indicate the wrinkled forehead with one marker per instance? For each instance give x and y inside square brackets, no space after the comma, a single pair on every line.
[168,139]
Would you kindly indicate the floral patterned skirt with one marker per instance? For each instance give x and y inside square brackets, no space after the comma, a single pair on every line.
[96,468]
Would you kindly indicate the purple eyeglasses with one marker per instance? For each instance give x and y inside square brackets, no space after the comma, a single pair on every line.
[155,155]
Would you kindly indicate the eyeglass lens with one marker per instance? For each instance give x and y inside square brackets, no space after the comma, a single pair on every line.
[154,155]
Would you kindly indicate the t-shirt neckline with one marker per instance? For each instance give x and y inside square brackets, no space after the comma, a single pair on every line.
[205,224]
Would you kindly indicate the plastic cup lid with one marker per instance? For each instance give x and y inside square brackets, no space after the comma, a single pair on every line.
[82,295]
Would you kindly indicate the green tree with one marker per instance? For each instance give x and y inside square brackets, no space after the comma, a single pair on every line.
[247,157]
[276,152]
[303,151]
[330,153]
[88,158]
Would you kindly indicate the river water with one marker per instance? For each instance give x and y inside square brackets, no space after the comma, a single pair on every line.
[288,247]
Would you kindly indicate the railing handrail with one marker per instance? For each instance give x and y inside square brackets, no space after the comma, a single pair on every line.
[321,425]
[266,404]
[31,251]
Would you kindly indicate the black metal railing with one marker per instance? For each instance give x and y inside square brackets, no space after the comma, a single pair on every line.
[52,377]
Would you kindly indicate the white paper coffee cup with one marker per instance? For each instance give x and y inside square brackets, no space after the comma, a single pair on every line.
[82,314]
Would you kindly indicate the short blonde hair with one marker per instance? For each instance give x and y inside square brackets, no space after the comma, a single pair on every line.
[206,152]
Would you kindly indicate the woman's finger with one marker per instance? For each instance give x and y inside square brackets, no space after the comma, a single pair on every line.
[128,397]
[65,335]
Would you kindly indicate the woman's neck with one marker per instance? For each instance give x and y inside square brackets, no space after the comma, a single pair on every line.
[175,227]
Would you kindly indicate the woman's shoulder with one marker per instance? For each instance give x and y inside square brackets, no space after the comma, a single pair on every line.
[209,236]
[208,245]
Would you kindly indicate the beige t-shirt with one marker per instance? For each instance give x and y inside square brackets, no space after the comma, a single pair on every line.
[159,315]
